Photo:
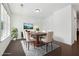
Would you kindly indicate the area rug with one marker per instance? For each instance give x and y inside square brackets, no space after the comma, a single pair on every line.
[38,51]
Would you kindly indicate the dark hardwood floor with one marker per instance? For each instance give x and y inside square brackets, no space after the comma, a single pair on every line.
[15,49]
[66,50]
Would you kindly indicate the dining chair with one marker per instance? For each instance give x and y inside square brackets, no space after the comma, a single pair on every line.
[29,39]
[48,39]
[43,36]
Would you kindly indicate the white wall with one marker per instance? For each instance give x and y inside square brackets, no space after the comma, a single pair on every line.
[62,25]
[48,23]
[18,20]
[74,25]
[60,22]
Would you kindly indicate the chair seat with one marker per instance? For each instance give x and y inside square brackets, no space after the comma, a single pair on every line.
[45,41]
[32,39]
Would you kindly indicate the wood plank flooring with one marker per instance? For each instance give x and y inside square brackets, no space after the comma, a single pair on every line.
[15,49]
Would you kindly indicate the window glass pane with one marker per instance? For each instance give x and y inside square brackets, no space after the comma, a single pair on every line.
[0,21]
[5,23]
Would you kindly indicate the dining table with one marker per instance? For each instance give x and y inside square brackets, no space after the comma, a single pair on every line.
[37,36]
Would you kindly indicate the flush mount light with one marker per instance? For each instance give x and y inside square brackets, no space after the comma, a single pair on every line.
[37,10]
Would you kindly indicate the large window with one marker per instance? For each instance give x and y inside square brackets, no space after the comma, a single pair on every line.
[0,21]
[5,23]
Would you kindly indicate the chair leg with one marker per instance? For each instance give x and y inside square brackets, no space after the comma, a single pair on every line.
[34,45]
[47,47]
[28,45]
[51,45]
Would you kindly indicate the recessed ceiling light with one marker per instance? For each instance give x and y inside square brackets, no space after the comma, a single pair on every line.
[37,10]
[21,5]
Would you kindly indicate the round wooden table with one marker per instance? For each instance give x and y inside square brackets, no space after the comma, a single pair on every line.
[37,36]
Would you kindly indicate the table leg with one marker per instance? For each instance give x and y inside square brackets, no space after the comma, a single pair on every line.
[37,41]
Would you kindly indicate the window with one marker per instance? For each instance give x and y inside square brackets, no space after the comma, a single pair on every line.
[0,21]
[5,23]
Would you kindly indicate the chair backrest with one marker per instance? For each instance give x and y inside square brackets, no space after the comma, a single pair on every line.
[26,35]
[49,37]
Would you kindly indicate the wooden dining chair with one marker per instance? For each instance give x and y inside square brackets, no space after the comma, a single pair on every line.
[48,39]
[29,39]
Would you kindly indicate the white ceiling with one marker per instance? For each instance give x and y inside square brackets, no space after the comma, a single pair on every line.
[46,9]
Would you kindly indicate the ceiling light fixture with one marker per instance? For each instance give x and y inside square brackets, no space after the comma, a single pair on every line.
[37,10]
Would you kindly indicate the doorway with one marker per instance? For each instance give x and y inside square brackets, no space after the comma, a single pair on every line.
[77,26]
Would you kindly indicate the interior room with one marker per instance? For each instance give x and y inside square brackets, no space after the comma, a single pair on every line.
[39,29]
